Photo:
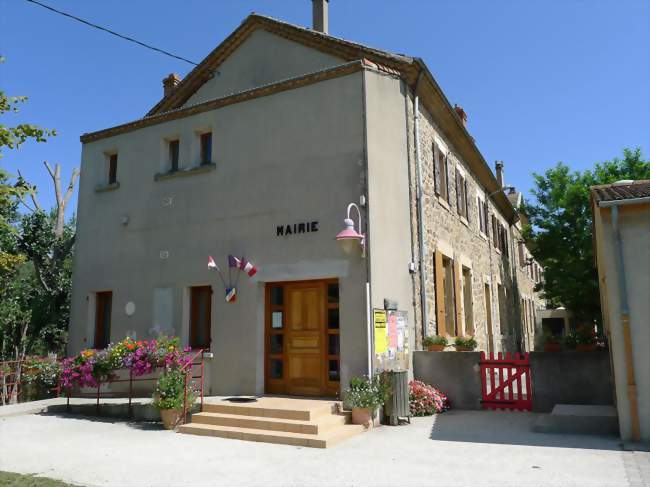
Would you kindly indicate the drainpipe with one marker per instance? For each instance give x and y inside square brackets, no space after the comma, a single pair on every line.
[625,323]
[421,245]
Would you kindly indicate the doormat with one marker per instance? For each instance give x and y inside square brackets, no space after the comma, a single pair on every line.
[241,399]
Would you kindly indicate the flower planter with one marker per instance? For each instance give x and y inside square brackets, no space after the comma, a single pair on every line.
[586,347]
[362,416]
[435,348]
[171,417]
[552,347]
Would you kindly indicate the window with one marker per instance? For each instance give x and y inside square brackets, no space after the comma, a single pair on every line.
[461,194]
[522,254]
[467,301]
[200,316]
[103,305]
[206,148]
[445,295]
[440,172]
[112,169]
[174,146]
[481,207]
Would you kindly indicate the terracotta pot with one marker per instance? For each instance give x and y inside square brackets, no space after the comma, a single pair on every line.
[552,347]
[362,416]
[463,349]
[586,347]
[435,348]
[171,417]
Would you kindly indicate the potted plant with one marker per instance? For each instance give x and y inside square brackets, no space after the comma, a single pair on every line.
[170,396]
[465,343]
[586,340]
[551,343]
[365,396]
[435,343]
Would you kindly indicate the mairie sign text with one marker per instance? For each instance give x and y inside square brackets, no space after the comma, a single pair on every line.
[296,228]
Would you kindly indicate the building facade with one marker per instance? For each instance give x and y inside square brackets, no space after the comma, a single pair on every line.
[622,243]
[256,154]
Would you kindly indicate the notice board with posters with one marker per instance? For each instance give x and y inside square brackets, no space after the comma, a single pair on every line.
[391,332]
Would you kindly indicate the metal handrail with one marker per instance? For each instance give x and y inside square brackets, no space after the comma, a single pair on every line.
[191,364]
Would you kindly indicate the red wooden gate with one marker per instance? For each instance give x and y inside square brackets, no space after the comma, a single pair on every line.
[506,382]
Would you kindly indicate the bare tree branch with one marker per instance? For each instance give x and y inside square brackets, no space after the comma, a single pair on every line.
[32,194]
[73,181]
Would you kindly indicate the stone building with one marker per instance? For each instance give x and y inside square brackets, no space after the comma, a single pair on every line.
[256,154]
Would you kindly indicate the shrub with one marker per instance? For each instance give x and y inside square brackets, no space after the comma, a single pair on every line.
[434,340]
[367,393]
[42,373]
[425,400]
[466,342]
[170,390]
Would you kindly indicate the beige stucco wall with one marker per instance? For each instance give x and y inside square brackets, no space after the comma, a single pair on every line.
[388,194]
[261,59]
[289,157]
[634,224]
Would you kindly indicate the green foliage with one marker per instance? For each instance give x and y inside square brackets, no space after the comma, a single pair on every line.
[367,393]
[434,340]
[170,390]
[560,231]
[465,342]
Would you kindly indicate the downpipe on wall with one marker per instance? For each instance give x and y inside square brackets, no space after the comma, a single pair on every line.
[420,211]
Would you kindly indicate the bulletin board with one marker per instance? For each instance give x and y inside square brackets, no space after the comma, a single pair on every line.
[391,332]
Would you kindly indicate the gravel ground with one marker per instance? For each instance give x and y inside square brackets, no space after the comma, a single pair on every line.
[460,448]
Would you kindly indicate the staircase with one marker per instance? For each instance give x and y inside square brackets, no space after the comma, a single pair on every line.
[288,421]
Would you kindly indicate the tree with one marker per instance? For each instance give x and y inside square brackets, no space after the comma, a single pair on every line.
[560,230]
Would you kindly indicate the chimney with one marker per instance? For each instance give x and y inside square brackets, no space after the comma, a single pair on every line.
[498,165]
[320,15]
[461,113]
[170,83]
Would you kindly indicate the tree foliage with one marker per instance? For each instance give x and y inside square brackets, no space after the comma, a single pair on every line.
[560,231]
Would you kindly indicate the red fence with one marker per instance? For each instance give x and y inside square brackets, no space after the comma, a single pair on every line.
[506,382]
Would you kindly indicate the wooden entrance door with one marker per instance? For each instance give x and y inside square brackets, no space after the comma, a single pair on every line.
[298,354]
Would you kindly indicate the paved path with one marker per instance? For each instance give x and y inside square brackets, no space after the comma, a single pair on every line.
[460,448]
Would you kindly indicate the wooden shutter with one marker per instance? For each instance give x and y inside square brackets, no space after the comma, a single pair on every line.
[440,293]
[446,169]
[436,168]
[466,200]
[459,196]
[457,298]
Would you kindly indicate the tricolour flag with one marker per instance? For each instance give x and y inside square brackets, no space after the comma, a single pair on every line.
[231,295]
[248,267]
[234,261]
[211,264]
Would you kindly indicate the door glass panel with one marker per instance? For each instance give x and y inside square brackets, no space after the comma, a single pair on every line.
[276,368]
[276,319]
[333,344]
[333,370]
[333,292]
[277,342]
[277,298]
[333,318]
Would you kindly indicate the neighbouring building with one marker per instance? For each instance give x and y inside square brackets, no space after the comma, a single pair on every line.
[622,240]
[257,153]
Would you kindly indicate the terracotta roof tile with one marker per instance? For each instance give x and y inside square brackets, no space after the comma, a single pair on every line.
[621,191]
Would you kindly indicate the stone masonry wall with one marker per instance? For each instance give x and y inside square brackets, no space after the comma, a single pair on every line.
[444,229]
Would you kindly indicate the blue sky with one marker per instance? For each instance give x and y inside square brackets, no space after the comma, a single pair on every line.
[541,81]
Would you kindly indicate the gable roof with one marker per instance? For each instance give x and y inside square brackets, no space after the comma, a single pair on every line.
[624,190]
[348,51]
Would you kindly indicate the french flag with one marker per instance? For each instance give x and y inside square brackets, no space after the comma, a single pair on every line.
[211,264]
[248,267]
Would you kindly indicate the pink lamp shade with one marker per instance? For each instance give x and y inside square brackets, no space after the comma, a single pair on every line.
[349,233]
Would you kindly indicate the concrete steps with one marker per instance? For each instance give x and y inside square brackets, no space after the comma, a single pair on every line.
[288,421]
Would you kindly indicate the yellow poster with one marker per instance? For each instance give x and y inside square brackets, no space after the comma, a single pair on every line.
[381,335]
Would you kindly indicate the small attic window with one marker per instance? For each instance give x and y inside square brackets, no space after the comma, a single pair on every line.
[206,148]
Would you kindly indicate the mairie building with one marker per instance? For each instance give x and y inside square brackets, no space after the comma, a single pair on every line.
[339,181]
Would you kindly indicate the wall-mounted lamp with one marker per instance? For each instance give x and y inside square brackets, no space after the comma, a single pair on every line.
[349,235]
